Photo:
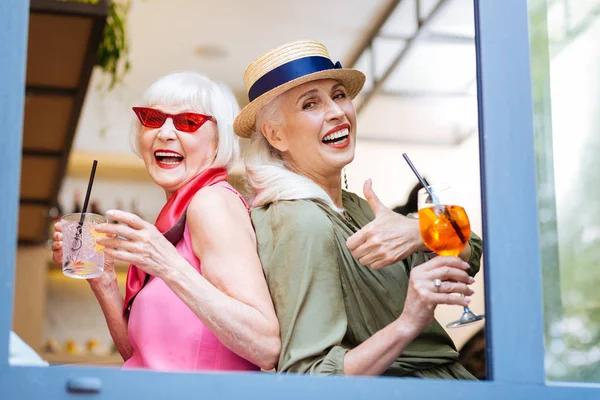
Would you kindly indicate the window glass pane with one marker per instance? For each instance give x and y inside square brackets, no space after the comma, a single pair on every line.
[565,58]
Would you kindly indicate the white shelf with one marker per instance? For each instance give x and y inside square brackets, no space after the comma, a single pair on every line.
[89,359]
[116,166]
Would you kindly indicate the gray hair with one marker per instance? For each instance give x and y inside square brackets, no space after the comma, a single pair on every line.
[269,174]
[197,92]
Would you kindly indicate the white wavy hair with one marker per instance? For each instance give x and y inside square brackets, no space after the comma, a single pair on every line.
[196,92]
[269,174]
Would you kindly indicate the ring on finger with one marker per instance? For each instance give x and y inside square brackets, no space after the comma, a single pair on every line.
[437,283]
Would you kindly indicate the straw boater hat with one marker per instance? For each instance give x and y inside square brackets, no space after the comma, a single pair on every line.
[284,68]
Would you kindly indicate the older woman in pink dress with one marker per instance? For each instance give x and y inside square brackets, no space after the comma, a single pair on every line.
[196,297]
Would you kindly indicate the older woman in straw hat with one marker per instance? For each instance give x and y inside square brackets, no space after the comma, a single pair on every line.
[192,302]
[337,316]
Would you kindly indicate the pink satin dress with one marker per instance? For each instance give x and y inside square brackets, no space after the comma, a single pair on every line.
[167,336]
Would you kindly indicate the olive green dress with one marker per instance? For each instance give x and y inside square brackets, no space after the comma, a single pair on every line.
[327,303]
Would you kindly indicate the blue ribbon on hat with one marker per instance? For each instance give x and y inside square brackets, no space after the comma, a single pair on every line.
[290,71]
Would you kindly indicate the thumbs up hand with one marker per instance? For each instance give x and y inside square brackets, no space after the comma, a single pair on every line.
[390,237]
[376,205]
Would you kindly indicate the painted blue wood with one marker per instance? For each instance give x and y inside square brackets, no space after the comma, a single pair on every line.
[14,19]
[510,223]
[50,383]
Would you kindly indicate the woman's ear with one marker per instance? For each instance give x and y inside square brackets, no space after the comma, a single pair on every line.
[274,136]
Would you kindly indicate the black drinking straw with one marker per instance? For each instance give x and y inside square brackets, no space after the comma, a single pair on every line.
[85,205]
[89,190]
[434,199]
[423,181]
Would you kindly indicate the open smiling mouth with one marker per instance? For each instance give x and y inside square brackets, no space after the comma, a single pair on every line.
[168,158]
[338,137]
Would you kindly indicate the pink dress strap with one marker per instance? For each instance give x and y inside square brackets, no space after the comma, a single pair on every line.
[227,186]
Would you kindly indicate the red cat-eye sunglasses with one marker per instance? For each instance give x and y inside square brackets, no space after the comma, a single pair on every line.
[185,122]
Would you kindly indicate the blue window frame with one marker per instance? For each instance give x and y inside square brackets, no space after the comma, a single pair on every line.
[513,283]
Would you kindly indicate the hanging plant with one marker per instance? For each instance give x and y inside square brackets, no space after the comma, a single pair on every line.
[113,51]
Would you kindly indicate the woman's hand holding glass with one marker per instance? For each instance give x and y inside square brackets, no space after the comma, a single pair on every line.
[445,229]
[137,242]
[423,296]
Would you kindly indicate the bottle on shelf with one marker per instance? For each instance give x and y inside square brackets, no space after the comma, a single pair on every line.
[51,346]
[113,349]
[119,206]
[95,207]
[93,347]
[135,209]
[71,347]
[77,203]
[54,214]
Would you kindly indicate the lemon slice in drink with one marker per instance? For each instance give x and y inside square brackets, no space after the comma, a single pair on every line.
[97,235]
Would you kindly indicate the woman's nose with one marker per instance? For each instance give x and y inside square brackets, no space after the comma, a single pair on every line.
[167,131]
[334,111]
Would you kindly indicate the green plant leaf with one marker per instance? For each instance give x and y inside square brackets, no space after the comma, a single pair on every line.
[113,52]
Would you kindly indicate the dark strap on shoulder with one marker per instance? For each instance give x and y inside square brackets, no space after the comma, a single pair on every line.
[175,234]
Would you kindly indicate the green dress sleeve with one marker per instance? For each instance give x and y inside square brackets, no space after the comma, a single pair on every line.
[299,257]
[476,250]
